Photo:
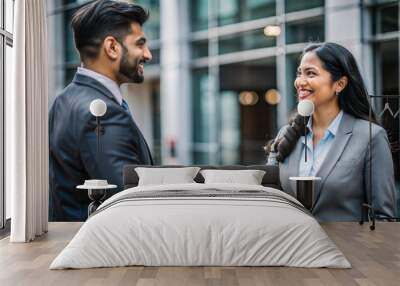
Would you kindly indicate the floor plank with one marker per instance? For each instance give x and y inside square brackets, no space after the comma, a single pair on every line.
[374,255]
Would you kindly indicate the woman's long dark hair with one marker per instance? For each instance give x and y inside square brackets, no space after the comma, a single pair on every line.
[353,99]
[339,61]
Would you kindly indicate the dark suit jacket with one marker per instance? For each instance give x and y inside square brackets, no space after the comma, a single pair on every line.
[73,146]
[344,183]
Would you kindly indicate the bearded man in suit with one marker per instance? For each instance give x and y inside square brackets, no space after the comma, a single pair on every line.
[113,50]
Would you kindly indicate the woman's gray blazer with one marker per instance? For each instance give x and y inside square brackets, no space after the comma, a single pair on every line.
[344,173]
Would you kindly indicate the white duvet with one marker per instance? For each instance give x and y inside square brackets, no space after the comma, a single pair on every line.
[200,231]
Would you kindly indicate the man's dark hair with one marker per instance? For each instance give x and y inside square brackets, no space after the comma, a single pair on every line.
[93,22]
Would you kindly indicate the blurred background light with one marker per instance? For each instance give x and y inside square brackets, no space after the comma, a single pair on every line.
[248,98]
[272,97]
[272,31]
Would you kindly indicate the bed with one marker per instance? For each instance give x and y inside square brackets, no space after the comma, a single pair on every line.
[201,224]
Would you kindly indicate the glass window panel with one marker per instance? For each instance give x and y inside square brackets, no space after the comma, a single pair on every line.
[156,114]
[388,67]
[201,158]
[235,11]
[199,49]
[387,80]
[9,59]
[9,15]
[228,12]
[245,41]
[156,57]
[152,26]
[386,18]
[309,30]
[292,63]
[256,9]
[199,14]
[230,127]
[71,54]
[230,44]
[203,120]
[201,106]
[56,4]
[296,5]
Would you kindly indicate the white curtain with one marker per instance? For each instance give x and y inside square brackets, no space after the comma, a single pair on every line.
[26,118]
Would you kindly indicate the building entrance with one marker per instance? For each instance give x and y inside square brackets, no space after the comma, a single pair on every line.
[248,99]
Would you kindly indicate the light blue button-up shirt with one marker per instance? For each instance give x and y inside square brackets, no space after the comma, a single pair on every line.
[315,157]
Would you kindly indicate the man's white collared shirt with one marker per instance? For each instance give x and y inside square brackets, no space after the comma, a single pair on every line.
[111,85]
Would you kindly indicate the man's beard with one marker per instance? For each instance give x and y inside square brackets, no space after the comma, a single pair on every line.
[128,70]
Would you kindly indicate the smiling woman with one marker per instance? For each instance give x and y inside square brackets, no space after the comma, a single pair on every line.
[338,134]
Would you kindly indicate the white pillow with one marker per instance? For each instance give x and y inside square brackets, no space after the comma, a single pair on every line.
[165,176]
[248,177]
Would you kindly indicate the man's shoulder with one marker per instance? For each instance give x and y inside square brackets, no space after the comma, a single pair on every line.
[78,92]
[77,97]
[72,104]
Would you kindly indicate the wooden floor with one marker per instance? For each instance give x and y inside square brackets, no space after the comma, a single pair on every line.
[375,257]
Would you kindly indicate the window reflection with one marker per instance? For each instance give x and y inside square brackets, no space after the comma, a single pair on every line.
[292,62]
[256,9]
[156,56]
[230,127]
[228,12]
[152,26]
[235,11]
[386,18]
[202,116]
[296,5]
[201,106]
[199,14]
[200,49]
[387,80]
[71,54]
[307,30]
[245,41]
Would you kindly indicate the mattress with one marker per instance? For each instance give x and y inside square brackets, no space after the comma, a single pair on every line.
[201,225]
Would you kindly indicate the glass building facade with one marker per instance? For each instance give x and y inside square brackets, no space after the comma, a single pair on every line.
[232,50]
[221,83]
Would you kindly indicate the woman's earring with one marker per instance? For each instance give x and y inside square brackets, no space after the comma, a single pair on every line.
[337,93]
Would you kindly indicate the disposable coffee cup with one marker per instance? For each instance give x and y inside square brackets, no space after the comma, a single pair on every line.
[305,187]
